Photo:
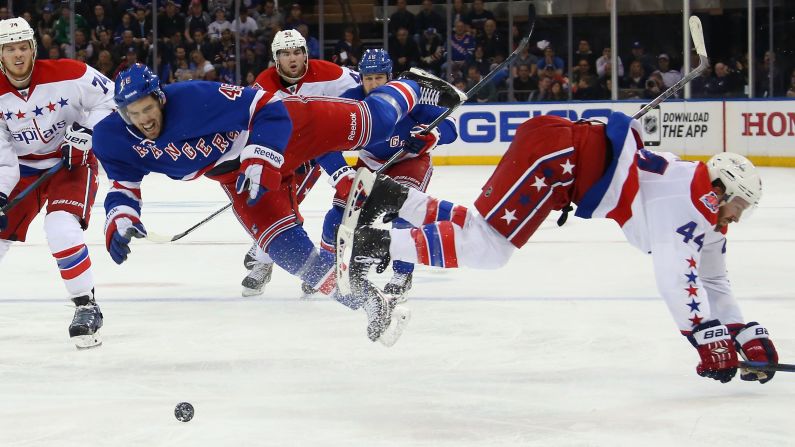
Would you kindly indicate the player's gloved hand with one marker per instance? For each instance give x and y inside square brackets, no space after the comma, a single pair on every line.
[119,231]
[716,349]
[259,172]
[420,144]
[3,217]
[342,181]
[754,344]
[76,146]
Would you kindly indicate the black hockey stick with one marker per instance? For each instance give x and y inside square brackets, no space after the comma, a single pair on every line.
[159,238]
[697,34]
[763,366]
[47,174]
[531,14]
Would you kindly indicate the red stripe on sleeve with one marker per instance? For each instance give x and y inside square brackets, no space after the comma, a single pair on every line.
[423,257]
[447,236]
[431,211]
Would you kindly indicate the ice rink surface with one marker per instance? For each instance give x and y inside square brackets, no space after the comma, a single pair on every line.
[567,346]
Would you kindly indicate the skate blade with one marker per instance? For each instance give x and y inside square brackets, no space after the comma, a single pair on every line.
[86,341]
[400,319]
[251,292]
[344,247]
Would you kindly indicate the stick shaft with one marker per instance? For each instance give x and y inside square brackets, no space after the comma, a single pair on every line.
[47,174]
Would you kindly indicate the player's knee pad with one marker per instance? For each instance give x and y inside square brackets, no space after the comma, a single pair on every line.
[291,249]
[63,231]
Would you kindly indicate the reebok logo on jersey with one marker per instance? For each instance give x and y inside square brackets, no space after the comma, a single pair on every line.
[711,201]
[352,135]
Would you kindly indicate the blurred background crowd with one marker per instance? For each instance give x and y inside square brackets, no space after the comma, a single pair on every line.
[569,57]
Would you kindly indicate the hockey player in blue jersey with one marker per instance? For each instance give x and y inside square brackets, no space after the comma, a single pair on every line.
[413,170]
[251,143]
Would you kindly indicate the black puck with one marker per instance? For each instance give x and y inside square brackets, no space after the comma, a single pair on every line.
[183,411]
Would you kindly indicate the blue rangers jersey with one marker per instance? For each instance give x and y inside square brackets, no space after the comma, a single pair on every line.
[204,125]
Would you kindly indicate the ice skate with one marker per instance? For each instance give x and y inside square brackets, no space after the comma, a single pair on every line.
[434,90]
[86,322]
[371,197]
[386,320]
[307,290]
[256,279]
[357,251]
[398,286]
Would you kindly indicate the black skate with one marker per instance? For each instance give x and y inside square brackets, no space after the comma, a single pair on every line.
[369,246]
[86,322]
[372,196]
[398,286]
[307,289]
[434,90]
[386,320]
[259,273]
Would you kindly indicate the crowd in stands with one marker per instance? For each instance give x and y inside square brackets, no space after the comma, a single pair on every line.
[196,40]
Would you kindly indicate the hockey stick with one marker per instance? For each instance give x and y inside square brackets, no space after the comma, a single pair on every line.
[531,13]
[697,34]
[762,366]
[159,238]
[47,174]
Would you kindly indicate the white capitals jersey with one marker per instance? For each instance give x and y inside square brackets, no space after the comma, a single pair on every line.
[34,120]
[322,78]
[666,207]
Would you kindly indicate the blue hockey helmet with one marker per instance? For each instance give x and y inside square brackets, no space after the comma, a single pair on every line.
[375,61]
[133,84]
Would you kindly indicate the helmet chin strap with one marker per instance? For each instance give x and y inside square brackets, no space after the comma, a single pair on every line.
[20,83]
[290,78]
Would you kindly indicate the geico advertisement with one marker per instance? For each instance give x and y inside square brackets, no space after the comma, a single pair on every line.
[694,128]
[761,128]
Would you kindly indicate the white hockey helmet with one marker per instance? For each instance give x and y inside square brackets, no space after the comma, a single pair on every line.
[287,40]
[738,175]
[16,30]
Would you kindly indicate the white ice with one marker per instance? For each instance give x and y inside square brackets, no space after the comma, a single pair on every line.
[569,345]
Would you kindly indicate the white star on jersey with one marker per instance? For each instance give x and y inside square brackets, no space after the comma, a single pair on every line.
[539,183]
[567,167]
[509,216]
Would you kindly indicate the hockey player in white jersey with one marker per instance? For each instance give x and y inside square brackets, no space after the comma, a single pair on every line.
[675,210]
[49,108]
[295,74]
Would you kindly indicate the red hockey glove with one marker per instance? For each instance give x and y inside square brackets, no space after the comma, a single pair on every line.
[76,146]
[259,172]
[754,344]
[420,144]
[342,180]
[716,349]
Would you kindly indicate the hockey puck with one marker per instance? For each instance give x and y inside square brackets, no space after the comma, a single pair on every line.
[183,412]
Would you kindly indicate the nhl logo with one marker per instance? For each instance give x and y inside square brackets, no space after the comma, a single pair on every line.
[650,124]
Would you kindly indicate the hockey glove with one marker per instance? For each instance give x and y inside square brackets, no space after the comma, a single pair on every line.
[259,172]
[420,144]
[76,146]
[755,345]
[119,231]
[716,349]
[342,180]
[3,217]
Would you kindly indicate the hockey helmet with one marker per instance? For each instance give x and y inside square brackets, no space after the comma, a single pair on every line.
[738,176]
[375,61]
[133,84]
[16,30]
[287,40]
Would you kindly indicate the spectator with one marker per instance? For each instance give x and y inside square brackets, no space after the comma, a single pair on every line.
[204,69]
[105,64]
[141,26]
[477,17]
[81,44]
[198,19]
[312,44]
[584,52]
[402,18]
[228,71]
[62,25]
[669,75]
[726,83]
[4,13]
[791,90]
[103,43]
[479,61]
[124,25]
[550,59]
[251,78]
[45,43]
[46,24]
[462,45]
[636,78]
[460,11]
[583,68]
[184,72]
[99,22]
[605,60]
[348,50]
[54,52]
[544,88]
[762,89]
[245,24]
[586,87]
[295,18]
[494,45]
[523,84]
[556,92]
[129,59]
[429,18]
[171,22]
[270,19]
[208,49]
[403,51]
[654,86]
[699,85]
[639,54]
[226,5]
[126,46]
[250,62]
[220,24]
[488,93]
[431,51]
[525,57]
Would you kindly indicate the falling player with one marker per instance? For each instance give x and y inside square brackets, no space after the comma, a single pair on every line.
[414,170]
[675,210]
[49,108]
[251,143]
[295,74]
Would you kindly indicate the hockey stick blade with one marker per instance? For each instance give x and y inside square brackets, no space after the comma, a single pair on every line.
[697,34]
[160,238]
[763,366]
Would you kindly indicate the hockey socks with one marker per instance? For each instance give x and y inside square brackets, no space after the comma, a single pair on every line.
[65,238]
